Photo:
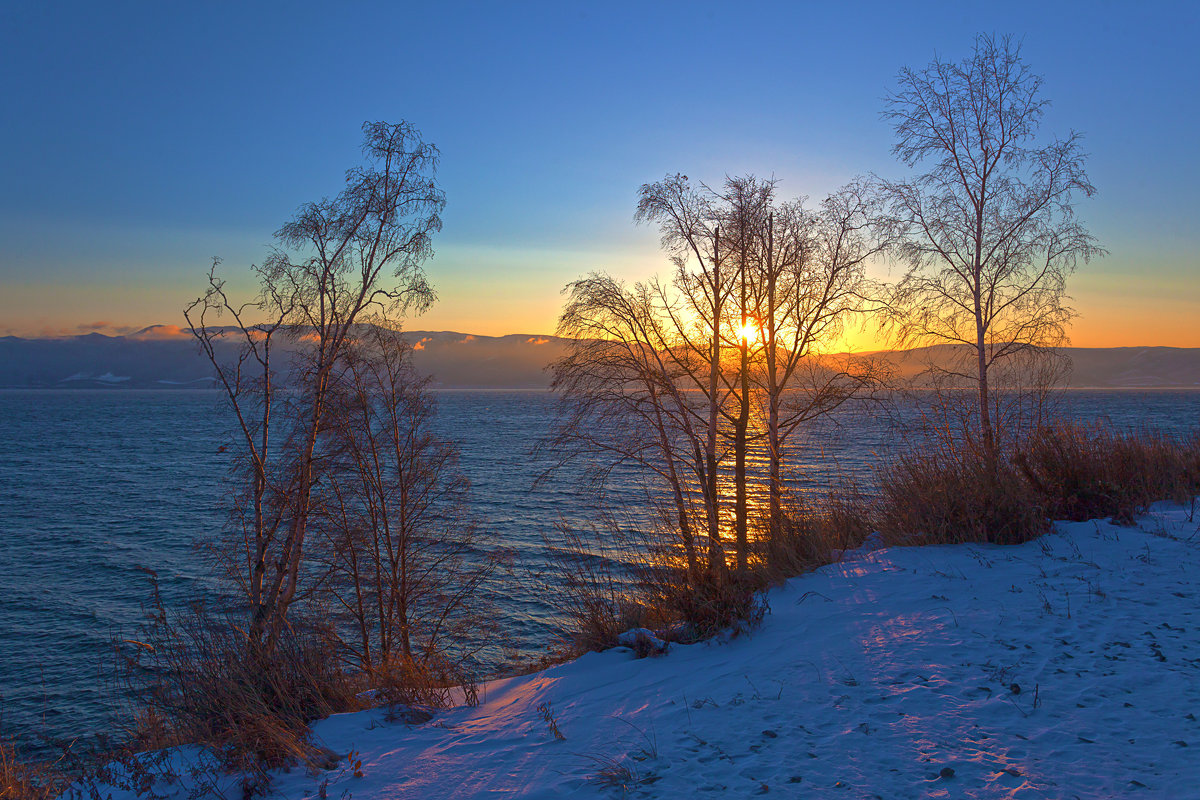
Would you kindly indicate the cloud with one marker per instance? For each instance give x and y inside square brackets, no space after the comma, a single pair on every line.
[421,344]
[157,332]
[537,340]
[467,339]
[106,328]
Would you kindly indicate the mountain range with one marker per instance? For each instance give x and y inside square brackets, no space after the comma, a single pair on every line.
[166,356]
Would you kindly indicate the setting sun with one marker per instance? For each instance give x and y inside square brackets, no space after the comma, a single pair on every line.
[748,333]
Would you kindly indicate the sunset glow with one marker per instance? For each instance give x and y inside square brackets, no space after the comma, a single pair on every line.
[544,192]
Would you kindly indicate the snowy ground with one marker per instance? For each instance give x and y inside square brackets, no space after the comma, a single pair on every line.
[1066,667]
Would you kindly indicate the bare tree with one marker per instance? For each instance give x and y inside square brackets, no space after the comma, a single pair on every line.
[397,539]
[807,278]
[989,231]
[338,260]
[743,208]
[623,383]
[246,363]
[668,376]
[691,230]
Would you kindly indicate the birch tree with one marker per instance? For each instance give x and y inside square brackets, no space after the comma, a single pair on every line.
[667,375]
[397,540]
[989,229]
[336,262]
[692,235]
[624,385]
[808,281]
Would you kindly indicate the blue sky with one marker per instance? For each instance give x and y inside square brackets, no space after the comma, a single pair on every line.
[140,139]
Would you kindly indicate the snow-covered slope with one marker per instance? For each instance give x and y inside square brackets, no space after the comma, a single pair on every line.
[1066,667]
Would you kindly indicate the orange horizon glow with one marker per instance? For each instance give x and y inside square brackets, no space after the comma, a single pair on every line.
[1147,330]
[1111,314]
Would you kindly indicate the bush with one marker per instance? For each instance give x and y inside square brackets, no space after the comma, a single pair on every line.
[1083,471]
[812,532]
[946,493]
[603,596]
[598,595]
[712,603]
[196,678]
[436,681]
[22,780]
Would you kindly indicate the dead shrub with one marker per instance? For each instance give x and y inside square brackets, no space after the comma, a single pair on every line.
[195,677]
[715,601]
[813,531]
[599,595]
[435,681]
[946,492]
[26,780]
[1087,471]
[603,595]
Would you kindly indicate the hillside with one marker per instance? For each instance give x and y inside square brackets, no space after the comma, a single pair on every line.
[1065,667]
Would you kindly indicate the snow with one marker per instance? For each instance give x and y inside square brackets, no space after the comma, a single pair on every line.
[644,639]
[1065,667]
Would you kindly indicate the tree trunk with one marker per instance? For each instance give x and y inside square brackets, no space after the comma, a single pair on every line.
[741,431]
[774,486]
[985,412]
[716,555]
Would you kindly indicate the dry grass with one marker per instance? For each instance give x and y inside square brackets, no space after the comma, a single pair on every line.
[24,780]
[615,774]
[600,598]
[814,531]
[432,682]
[944,491]
[195,677]
[603,596]
[947,493]
[705,606]
[1091,471]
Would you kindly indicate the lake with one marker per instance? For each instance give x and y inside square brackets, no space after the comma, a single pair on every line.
[96,485]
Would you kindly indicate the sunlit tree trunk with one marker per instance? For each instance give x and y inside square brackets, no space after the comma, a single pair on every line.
[742,424]
[716,555]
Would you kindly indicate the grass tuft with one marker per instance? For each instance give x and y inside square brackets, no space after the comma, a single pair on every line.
[25,780]
[195,677]
[948,493]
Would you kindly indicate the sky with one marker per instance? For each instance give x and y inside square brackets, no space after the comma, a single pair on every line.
[139,140]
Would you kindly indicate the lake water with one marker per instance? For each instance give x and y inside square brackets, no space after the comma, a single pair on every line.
[95,485]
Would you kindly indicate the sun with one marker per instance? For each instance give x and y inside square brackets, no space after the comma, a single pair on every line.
[748,333]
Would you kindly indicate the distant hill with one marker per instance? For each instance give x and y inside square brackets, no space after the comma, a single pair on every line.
[1091,367]
[164,356]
